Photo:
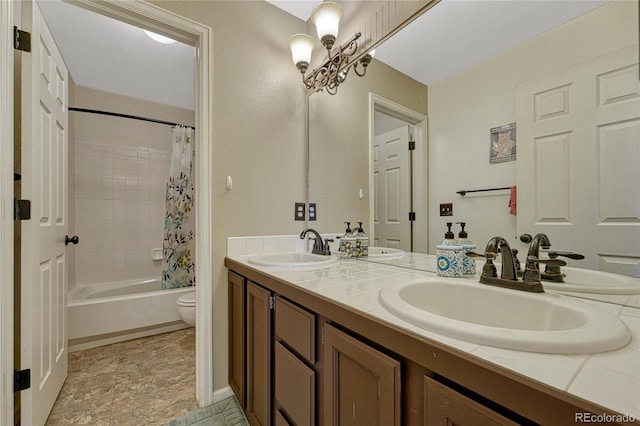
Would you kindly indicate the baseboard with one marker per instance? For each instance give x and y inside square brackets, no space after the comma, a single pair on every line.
[223,393]
[108,339]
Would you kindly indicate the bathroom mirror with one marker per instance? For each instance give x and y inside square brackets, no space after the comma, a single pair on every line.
[340,178]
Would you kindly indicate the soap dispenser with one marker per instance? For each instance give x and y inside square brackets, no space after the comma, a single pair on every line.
[347,247]
[449,255]
[468,263]
[362,242]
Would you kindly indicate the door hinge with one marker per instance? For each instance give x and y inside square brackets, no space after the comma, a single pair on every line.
[21,380]
[412,216]
[21,40]
[412,145]
[21,209]
[322,335]
[272,302]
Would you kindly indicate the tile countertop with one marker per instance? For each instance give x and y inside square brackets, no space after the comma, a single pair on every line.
[610,379]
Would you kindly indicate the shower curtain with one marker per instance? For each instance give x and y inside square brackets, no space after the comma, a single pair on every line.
[178,260]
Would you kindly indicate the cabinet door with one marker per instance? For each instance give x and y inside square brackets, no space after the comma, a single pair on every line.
[237,360]
[258,319]
[361,385]
[446,407]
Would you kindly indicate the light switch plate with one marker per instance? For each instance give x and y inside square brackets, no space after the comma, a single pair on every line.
[299,213]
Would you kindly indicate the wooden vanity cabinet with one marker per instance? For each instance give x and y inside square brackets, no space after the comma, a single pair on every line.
[308,361]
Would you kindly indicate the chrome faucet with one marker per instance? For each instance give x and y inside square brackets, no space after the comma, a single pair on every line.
[318,246]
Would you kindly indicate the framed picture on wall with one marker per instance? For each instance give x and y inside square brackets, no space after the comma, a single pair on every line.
[503,144]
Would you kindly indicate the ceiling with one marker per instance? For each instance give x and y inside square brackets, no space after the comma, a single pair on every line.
[109,55]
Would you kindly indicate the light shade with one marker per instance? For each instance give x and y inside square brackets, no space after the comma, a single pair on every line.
[159,38]
[301,46]
[326,18]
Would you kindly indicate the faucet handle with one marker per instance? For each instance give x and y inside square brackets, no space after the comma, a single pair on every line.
[327,249]
[473,254]
[550,262]
[567,254]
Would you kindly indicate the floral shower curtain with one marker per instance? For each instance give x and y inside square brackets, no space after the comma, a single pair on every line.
[178,260]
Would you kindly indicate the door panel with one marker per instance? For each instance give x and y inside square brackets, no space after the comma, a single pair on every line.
[44,262]
[392,195]
[579,160]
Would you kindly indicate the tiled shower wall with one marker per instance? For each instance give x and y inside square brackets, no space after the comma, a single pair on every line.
[119,211]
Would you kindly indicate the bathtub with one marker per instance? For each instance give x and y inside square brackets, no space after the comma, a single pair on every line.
[111,312]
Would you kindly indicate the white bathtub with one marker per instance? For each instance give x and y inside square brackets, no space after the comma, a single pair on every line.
[120,307]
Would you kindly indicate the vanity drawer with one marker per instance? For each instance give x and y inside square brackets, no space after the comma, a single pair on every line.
[296,328]
[295,387]
[445,406]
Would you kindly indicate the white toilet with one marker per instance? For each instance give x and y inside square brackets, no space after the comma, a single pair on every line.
[187,308]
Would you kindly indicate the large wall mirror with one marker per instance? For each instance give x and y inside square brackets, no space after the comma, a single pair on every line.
[446,87]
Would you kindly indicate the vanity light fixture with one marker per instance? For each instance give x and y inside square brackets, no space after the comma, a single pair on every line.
[334,70]
[159,38]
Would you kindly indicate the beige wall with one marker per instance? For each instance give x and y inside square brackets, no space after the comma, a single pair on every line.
[464,107]
[259,137]
[339,142]
[119,169]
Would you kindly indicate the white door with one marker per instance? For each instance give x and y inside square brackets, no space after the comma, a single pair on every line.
[44,261]
[579,161]
[391,186]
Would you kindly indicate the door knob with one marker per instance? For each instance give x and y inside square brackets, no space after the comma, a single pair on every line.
[73,240]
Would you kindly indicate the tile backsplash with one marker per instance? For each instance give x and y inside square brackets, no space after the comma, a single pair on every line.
[119,211]
[240,246]
[243,246]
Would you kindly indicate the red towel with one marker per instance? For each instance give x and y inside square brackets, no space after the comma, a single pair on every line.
[512,201]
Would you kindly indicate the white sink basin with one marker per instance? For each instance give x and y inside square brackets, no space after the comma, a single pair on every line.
[579,280]
[294,260]
[382,253]
[511,319]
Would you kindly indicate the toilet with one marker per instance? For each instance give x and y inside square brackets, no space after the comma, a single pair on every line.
[187,308]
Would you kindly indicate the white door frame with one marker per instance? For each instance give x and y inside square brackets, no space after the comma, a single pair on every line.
[379,104]
[164,22]
[6,213]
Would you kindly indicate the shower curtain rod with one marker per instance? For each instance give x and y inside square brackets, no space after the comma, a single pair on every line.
[133,117]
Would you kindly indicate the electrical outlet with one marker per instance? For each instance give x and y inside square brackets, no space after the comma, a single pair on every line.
[446,209]
[312,211]
[299,214]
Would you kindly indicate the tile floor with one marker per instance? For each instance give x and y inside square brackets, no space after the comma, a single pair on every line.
[147,381]
[224,413]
